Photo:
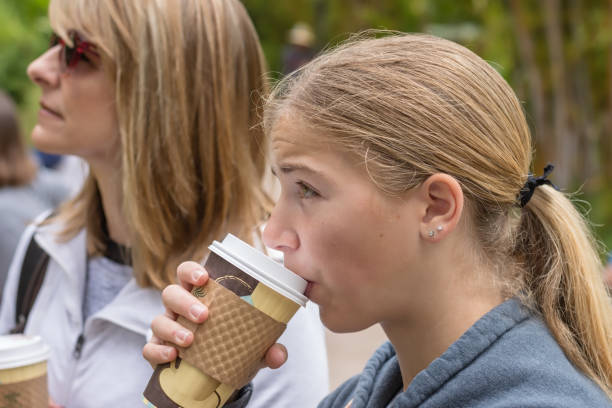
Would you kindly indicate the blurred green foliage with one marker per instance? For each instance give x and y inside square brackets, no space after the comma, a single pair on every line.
[491,28]
[24,34]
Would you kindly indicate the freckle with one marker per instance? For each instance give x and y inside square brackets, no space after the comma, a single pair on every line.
[398,216]
[381,235]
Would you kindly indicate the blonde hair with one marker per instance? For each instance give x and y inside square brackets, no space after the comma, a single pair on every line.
[415,105]
[189,82]
[17,167]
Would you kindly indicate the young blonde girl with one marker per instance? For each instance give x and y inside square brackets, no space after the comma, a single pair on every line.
[407,200]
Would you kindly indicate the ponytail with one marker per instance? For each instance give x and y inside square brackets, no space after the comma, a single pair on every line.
[563,282]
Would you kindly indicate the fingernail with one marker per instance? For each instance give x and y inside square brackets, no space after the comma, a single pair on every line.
[196,310]
[181,336]
[165,354]
[197,274]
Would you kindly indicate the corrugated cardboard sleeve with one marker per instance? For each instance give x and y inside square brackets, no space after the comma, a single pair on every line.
[230,344]
[30,393]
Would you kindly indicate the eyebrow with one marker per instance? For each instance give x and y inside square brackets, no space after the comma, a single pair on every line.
[288,168]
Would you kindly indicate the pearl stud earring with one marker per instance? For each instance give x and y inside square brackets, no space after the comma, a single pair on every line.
[432,233]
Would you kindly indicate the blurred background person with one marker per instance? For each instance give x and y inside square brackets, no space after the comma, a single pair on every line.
[26,189]
[298,50]
[47,160]
[69,169]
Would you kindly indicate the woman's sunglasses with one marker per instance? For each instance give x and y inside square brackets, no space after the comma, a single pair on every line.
[70,56]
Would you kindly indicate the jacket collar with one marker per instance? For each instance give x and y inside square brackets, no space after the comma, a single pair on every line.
[70,255]
[134,307]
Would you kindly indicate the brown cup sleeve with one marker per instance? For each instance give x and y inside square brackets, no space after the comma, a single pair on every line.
[30,393]
[230,344]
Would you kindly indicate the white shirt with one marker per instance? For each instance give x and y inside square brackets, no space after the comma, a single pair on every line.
[111,371]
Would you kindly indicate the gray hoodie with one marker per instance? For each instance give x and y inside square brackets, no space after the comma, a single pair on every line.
[508,358]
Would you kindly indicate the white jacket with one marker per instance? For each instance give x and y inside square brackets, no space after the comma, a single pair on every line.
[111,371]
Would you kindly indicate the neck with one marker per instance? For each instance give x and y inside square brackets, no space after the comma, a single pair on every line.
[448,312]
[109,184]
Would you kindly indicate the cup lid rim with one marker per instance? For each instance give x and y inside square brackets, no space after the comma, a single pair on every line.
[261,267]
[19,350]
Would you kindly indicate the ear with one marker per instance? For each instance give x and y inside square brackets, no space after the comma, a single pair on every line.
[443,199]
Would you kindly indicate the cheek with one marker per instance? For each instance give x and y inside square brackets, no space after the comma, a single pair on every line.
[91,119]
[343,251]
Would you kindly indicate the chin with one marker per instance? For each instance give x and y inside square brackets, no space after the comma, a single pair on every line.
[343,324]
[46,142]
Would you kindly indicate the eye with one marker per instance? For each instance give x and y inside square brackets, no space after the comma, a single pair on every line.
[86,58]
[306,191]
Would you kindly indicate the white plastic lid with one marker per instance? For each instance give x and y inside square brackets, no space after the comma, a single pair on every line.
[261,267]
[18,350]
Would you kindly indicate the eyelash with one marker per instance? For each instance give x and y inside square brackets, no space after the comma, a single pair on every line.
[306,191]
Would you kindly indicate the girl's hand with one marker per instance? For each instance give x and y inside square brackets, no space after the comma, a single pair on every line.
[53,404]
[178,300]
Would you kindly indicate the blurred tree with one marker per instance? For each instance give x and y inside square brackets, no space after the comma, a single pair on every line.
[532,75]
[564,139]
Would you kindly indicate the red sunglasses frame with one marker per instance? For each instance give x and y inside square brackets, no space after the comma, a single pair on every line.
[70,56]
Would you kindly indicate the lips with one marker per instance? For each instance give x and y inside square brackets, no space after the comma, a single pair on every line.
[49,110]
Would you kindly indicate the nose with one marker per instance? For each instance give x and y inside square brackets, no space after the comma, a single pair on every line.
[279,235]
[44,70]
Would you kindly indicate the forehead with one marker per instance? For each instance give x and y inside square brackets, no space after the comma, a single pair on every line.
[291,132]
[298,146]
[293,136]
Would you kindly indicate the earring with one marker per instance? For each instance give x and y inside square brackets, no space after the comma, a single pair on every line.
[432,233]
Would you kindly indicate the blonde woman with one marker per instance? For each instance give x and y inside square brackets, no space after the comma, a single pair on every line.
[161,99]
[407,200]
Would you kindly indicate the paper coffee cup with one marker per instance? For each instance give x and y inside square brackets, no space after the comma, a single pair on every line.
[23,371]
[250,299]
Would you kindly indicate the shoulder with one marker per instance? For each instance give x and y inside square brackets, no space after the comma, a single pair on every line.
[379,381]
[22,202]
[342,395]
[525,367]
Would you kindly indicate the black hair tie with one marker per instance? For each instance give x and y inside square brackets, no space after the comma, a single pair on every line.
[532,183]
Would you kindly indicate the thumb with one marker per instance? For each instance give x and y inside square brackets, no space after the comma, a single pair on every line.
[276,356]
[52,404]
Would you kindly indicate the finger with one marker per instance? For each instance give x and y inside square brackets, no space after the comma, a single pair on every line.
[52,404]
[170,314]
[166,329]
[276,356]
[178,300]
[191,274]
[158,353]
